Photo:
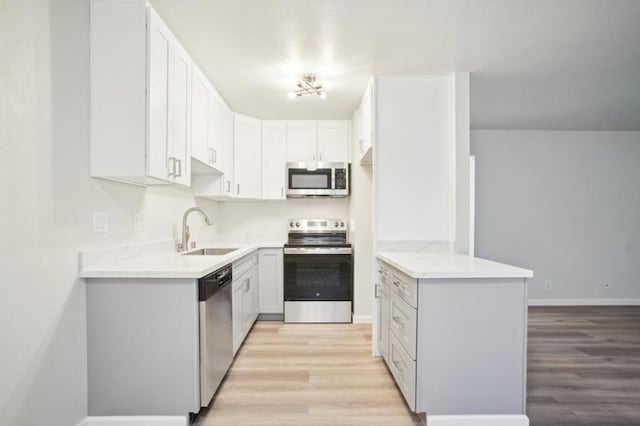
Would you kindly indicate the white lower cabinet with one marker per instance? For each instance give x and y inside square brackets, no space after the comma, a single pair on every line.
[237,297]
[244,304]
[271,281]
[455,345]
[398,328]
[383,341]
[403,369]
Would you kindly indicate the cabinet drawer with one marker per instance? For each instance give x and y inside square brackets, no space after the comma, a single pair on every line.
[402,323]
[383,274]
[403,369]
[405,287]
[241,266]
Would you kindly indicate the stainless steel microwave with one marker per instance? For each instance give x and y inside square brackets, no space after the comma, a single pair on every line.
[315,179]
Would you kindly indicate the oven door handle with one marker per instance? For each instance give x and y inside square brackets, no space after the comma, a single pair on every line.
[318,250]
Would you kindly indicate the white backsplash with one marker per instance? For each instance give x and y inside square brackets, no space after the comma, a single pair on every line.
[266,221]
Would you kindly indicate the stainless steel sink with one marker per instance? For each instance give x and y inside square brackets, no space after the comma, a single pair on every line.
[212,251]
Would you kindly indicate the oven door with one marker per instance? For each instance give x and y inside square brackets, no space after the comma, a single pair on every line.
[303,180]
[318,274]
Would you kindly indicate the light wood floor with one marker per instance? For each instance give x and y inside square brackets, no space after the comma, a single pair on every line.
[583,369]
[584,366]
[308,375]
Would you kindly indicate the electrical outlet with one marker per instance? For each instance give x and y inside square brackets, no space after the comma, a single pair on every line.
[100,222]
[548,285]
[137,222]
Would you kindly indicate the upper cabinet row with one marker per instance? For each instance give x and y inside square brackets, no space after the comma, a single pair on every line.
[157,119]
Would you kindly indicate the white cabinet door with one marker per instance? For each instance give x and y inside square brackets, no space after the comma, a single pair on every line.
[159,50]
[247,157]
[333,141]
[179,114]
[365,132]
[236,309]
[200,116]
[270,275]
[302,140]
[255,294]
[227,153]
[247,302]
[274,158]
[217,116]
[384,304]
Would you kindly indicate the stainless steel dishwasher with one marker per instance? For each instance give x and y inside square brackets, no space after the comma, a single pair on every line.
[216,333]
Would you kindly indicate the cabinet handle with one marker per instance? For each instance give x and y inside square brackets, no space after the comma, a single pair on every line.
[377,291]
[237,189]
[396,283]
[215,155]
[396,319]
[210,155]
[228,187]
[179,163]
[320,156]
[314,157]
[247,285]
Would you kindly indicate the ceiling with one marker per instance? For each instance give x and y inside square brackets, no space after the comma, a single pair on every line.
[543,64]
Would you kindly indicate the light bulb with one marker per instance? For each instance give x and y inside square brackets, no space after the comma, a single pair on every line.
[291,95]
[323,95]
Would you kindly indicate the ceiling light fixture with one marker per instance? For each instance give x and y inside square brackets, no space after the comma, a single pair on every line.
[308,85]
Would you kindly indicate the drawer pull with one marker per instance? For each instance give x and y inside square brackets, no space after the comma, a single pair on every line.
[396,319]
[396,364]
[396,283]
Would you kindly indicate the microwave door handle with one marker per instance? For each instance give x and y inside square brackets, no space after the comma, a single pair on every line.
[333,178]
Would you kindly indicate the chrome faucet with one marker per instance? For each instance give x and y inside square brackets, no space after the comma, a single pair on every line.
[184,244]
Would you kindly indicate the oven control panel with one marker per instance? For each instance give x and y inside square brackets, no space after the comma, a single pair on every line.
[318,224]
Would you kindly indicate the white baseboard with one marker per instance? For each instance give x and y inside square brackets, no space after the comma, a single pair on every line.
[479,420]
[362,319]
[584,302]
[135,421]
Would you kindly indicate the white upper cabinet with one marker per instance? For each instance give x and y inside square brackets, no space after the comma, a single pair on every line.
[140,96]
[228,141]
[200,121]
[365,131]
[160,58]
[302,140]
[247,157]
[333,141]
[207,125]
[274,157]
[179,115]
[325,141]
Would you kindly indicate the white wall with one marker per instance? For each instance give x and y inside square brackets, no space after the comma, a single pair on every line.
[266,221]
[46,200]
[411,164]
[565,204]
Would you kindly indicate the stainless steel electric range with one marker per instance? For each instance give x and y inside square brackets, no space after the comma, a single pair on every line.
[318,271]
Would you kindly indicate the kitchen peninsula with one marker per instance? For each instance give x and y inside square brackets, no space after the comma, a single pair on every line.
[453,331]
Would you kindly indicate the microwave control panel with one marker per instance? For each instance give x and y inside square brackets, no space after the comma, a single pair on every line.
[341,179]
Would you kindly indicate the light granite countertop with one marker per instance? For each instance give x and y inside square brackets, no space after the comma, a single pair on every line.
[445,264]
[159,260]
